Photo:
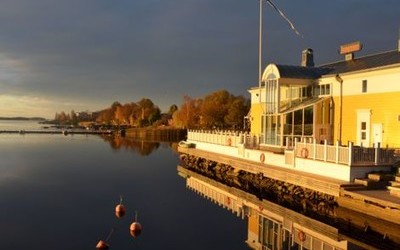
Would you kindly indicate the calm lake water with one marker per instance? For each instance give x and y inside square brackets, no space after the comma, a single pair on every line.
[60,192]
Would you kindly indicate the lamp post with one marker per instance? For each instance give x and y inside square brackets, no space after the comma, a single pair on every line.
[340,80]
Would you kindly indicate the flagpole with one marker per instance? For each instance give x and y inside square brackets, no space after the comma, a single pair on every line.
[260,53]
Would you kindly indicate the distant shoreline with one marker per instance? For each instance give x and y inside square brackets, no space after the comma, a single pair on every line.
[23,118]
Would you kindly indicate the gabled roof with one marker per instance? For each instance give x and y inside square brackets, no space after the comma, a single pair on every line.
[363,63]
[299,72]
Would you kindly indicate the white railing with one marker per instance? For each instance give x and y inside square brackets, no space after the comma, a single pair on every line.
[350,155]
[347,155]
[225,137]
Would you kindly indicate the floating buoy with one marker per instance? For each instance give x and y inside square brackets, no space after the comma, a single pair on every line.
[120,209]
[135,228]
[102,245]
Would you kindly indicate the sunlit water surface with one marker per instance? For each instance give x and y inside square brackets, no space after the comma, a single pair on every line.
[59,192]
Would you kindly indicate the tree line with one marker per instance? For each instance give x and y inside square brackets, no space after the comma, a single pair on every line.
[218,110]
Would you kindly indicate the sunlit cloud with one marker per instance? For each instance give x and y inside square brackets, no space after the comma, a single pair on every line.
[11,105]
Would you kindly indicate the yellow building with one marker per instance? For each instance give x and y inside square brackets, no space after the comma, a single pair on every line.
[353,100]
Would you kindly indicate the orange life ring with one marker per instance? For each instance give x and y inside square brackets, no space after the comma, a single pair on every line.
[229,141]
[262,157]
[304,152]
[302,236]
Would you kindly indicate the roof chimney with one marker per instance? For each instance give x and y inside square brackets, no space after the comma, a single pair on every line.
[307,58]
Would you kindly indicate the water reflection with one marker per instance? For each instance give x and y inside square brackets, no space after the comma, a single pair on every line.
[272,226]
[141,147]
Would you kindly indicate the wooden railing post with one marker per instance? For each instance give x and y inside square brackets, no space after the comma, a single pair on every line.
[325,150]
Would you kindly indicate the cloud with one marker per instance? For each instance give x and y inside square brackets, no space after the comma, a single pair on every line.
[94,52]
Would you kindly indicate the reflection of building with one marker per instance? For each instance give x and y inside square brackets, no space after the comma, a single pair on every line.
[271,226]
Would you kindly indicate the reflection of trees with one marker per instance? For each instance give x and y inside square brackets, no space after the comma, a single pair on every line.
[139,146]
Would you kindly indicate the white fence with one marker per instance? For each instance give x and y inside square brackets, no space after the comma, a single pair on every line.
[226,138]
[350,155]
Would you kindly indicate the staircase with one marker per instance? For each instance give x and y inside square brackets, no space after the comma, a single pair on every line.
[394,187]
[375,181]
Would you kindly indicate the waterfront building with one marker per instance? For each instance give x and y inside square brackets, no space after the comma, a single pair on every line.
[332,128]
[337,120]
[348,101]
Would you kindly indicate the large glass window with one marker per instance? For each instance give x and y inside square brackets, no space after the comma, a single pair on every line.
[323,89]
[271,88]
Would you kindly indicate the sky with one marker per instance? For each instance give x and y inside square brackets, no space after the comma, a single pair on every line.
[63,55]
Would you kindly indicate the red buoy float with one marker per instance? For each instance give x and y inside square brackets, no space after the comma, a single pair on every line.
[102,245]
[135,228]
[120,209]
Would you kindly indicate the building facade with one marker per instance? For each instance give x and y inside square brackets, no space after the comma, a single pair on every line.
[353,100]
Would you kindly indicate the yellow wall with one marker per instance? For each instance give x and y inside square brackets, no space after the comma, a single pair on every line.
[384,109]
[256,113]
[253,224]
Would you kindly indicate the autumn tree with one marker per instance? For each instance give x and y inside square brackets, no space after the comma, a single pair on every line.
[220,110]
[74,118]
[237,110]
[214,108]
[188,116]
